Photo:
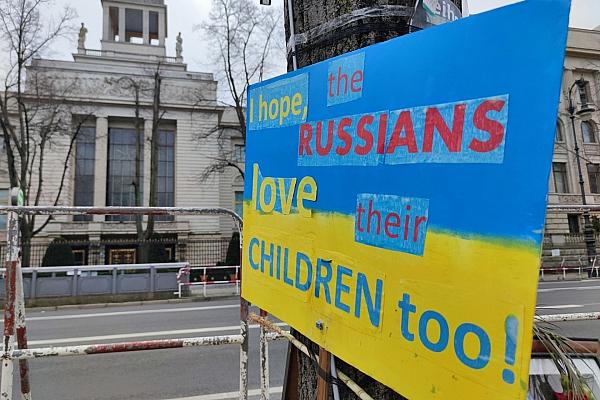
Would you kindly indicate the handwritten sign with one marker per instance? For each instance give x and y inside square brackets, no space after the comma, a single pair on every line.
[398,222]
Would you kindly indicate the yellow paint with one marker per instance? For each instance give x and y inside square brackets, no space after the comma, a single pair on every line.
[465,279]
[286,198]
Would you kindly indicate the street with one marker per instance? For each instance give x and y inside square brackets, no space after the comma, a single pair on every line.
[206,373]
[179,374]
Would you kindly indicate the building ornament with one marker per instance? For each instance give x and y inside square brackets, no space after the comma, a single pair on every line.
[82,36]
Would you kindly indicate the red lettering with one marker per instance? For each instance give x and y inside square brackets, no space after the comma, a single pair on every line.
[404,123]
[323,151]
[389,224]
[359,212]
[494,128]
[357,77]
[331,79]
[382,132]
[305,138]
[418,221]
[344,136]
[434,121]
[365,135]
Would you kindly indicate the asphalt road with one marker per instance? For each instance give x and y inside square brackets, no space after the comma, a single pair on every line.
[204,373]
[564,297]
[196,373]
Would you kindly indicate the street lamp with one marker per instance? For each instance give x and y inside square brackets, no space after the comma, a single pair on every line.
[588,230]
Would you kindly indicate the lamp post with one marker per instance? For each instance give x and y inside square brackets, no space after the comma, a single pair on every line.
[588,230]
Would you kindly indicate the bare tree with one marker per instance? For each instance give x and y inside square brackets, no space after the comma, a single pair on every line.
[35,116]
[246,42]
[146,94]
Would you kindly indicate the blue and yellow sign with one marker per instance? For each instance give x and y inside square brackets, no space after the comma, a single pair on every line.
[397,195]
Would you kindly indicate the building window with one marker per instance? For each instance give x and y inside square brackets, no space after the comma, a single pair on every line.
[594,177]
[560,137]
[573,223]
[559,172]
[165,177]
[584,94]
[239,203]
[121,183]
[4,202]
[134,26]
[588,132]
[153,23]
[113,15]
[238,153]
[85,158]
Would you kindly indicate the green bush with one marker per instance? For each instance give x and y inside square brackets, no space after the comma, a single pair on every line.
[58,255]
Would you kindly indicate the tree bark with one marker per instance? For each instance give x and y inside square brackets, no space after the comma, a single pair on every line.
[322,32]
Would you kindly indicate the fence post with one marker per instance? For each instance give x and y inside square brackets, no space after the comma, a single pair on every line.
[204,282]
[114,280]
[74,281]
[264,361]
[33,288]
[152,278]
[244,349]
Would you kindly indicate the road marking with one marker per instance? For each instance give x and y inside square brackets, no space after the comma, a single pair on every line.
[558,306]
[230,395]
[138,312]
[560,289]
[140,335]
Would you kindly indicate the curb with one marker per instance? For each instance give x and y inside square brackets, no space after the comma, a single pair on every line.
[130,303]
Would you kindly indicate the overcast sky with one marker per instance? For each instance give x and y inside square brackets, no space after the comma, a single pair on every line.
[183,15]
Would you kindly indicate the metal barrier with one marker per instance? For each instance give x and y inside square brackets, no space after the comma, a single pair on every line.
[185,272]
[564,267]
[98,280]
[14,312]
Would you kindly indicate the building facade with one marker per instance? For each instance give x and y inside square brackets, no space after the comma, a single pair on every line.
[564,230]
[102,87]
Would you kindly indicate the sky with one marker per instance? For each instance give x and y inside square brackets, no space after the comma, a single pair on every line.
[185,15]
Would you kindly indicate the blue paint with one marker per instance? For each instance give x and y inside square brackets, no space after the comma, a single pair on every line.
[406,309]
[279,103]
[253,243]
[345,79]
[373,307]
[323,280]
[286,278]
[266,257]
[485,347]
[483,66]
[442,341]
[340,287]
[302,258]
[511,327]
[391,222]
[272,192]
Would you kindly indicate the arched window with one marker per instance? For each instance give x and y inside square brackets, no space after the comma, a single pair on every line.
[560,136]
[588,132]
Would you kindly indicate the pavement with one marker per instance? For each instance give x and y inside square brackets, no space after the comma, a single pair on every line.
[203,373]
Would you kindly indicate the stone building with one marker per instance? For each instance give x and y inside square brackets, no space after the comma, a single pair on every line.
[102,170]
[564,230]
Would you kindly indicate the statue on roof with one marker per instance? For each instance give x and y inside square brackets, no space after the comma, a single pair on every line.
[82,36]
[179,46]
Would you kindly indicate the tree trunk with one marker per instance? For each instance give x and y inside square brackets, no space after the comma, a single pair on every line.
[322,31]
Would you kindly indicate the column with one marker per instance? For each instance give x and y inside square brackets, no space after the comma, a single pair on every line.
[147,161]
[100,168]
[121,24]
[146,26]
[106,25]
[162,23]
